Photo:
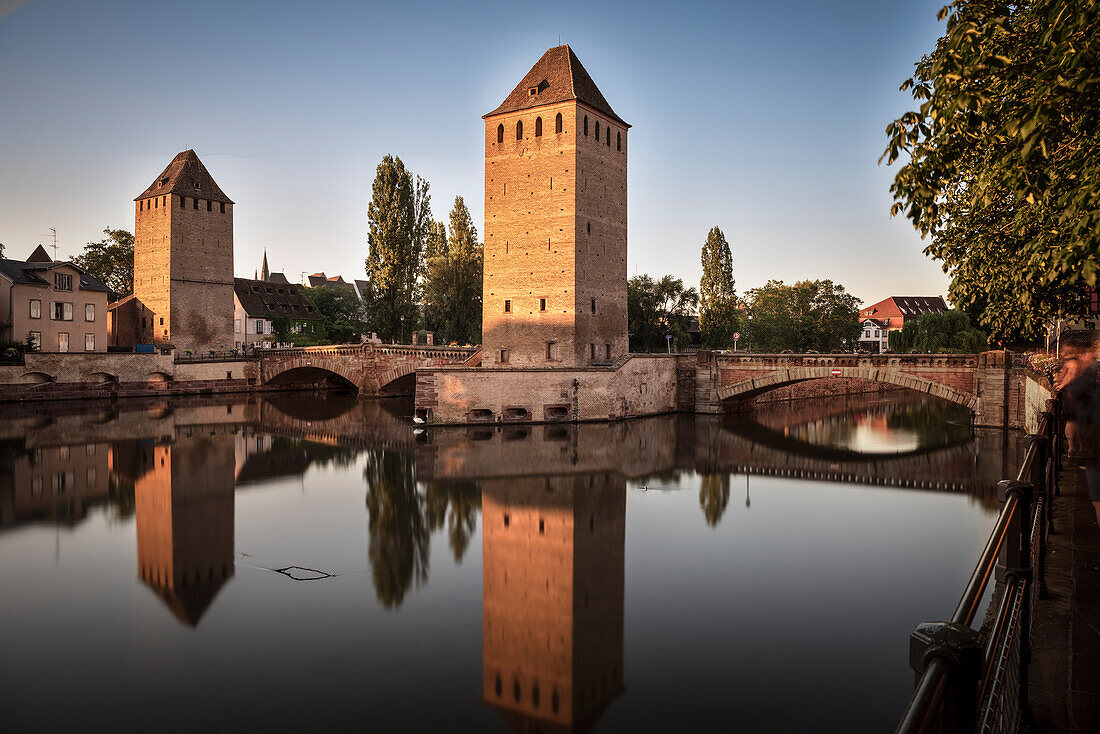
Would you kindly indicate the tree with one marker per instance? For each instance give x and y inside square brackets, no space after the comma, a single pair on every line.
[452,280]
[111,260]
[342,317]
[656,309]
[1001,170]
[938,333]
[811,315]
[1,249]
[398,216]
[717,295]
[714,496]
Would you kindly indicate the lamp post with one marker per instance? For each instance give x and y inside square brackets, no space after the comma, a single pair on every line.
[668,338]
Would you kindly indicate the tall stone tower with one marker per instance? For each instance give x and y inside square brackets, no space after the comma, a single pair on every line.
[183,257]
[555,221]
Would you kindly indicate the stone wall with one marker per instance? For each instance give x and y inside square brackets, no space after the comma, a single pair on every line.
[636,386]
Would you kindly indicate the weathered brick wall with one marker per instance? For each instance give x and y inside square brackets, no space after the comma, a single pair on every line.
[183,270]
[640,385]
[555,229]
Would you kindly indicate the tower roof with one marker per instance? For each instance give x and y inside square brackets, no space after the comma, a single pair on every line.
[559,77]
[188,176]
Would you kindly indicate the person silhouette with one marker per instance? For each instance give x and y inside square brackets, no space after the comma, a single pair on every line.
[1079,385]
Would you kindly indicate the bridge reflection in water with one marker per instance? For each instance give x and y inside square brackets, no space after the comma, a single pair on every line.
[552,501]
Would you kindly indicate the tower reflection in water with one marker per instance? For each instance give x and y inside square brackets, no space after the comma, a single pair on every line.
[553,598]
[183,500]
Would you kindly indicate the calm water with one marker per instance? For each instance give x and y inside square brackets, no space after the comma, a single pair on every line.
[314,563]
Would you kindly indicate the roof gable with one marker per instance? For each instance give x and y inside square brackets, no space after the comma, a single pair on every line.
[558,76]
[40,256]
[186,175]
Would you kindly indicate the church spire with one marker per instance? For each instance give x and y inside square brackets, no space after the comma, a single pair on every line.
[264,272]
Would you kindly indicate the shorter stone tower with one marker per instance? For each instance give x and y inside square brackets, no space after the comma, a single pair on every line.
[183,258]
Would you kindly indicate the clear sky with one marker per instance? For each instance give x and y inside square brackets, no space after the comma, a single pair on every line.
[763,118]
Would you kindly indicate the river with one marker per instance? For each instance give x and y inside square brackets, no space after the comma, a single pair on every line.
[314,562]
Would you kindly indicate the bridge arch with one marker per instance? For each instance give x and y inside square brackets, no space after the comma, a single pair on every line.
[314,371]
[753,386]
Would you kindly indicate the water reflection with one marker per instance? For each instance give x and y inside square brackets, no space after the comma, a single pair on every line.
[552,500]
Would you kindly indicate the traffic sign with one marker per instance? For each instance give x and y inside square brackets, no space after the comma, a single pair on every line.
[836,372]
[737,335]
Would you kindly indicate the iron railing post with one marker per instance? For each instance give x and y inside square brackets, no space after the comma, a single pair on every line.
[1015,563]
[949,656]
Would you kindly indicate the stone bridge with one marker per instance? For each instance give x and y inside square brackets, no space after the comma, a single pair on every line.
[373,369]
[990,384]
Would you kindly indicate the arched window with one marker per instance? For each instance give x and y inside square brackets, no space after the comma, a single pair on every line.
[597,131]
[519,130]
[500,133]
[557,123]
[618,141]
[538,127]
[586,124]
[609,137]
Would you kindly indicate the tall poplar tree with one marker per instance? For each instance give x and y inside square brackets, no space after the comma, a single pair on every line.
[717,295]
[452,281]
[398,217]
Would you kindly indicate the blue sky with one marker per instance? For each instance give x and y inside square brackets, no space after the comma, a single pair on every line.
[763,118]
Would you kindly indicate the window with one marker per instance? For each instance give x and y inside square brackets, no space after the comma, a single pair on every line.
[63,312]
[589,227]
[209,206]
[607,351]
[538,127]
[877,332]
[62,282]
[549,351]
[36,339]
[36,309]
[162,321]
[141,205]
[592,352]
[519,130]
[89,476]
[586,124]
[500,133]
[557,123]
[183,201]
[597,131]
[542,304]
[194,203]
[63,342]
[504,356]
[618,141]
[507,305]
[259,327]
[507,520]
[89,342]
[223,207]
[89,312]
[237,325]
[593,305]
[156,203]
[608,139]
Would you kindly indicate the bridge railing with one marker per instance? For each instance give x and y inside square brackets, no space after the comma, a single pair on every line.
[406,350]
[974,682]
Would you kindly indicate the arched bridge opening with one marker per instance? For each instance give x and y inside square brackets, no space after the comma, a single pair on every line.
[319,378]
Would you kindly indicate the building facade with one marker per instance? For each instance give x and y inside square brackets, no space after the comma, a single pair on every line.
[875,336]
[183,257]
[554,287]
[56,306]
[258,303]
[891,313]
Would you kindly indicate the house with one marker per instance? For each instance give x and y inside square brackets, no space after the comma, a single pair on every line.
[258,303]
[335,282]
[892,312]
[875,336]
[54,305]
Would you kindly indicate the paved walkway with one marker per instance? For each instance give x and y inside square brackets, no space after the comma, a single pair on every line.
[1064,677]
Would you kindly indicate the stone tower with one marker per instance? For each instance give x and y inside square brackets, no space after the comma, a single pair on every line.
[555,221]
[183,257]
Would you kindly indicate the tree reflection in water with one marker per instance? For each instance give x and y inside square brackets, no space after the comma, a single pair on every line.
[456,504]
[714,496]
[399,531]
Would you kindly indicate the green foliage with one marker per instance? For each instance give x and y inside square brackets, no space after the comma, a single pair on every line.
[718,318]
[657,308]
[811,315]
[342,316]
[112,261]
[399,216]
[1001,168]
[939,333]
[452,279]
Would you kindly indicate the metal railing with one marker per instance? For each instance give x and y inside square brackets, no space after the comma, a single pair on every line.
[967,681]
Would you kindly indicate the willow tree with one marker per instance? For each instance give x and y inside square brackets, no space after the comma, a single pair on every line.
[717,295]
[1000,167]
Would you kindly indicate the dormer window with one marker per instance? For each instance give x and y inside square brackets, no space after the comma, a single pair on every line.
[196,184]
[532,91]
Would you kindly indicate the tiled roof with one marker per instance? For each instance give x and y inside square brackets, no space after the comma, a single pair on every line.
[40,256]
[559,77]
[270,300]
[18,271]
[907,305]
[186,175]
[278,278]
